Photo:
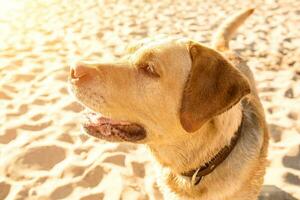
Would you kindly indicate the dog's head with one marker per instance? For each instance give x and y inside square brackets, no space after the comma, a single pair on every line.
[159,91]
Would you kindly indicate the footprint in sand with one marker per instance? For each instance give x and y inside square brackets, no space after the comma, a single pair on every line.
[10,88]
[64,91]
[23,193]
[35,159]
[271,192]
[62,191]
[74,106]
[43,158]
[276,132]
[292,159]
[92,178]
[25,77]
[9,135]
[98,196]
[39,102]
[116,159]
[73,171]
[293,115]
[21,111]
[4,96]
[4,190]
[65,137]
[138,169]
[292,178]
[36,127]
[37,117]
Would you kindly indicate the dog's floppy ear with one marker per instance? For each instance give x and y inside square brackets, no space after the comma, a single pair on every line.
[213,86]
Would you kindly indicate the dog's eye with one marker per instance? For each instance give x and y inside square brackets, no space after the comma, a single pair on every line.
[148,69]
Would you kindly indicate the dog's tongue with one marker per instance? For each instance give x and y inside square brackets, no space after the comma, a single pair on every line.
[112,130]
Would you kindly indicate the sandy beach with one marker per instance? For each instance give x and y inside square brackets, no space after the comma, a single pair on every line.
[43,152]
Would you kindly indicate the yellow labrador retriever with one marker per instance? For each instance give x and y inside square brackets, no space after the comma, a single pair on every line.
[195,107]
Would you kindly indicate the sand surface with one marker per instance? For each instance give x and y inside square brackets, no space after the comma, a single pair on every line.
[43,153]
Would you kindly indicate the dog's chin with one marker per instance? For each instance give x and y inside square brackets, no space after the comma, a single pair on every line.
[112,130]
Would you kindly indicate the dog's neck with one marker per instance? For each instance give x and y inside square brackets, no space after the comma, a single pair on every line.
[197,148]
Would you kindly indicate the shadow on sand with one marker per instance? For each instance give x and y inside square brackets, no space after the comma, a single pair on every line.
[271,192]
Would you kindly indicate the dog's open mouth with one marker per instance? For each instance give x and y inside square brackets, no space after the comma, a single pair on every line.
[112,130]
